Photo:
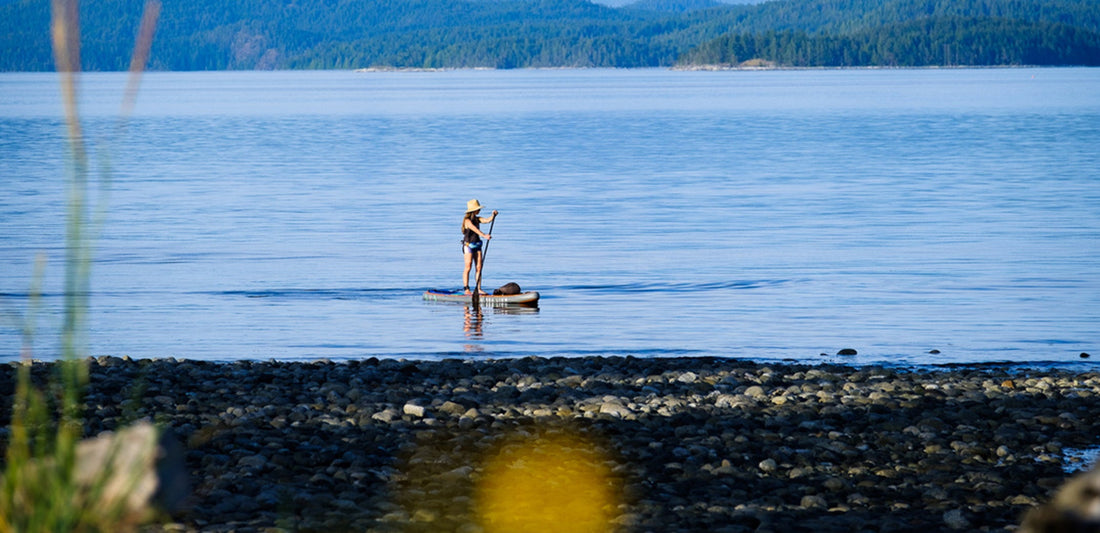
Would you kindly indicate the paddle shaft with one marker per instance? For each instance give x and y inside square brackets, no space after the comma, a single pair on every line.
[481,264]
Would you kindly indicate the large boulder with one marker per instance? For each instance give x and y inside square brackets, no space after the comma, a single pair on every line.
[138,468]
[1074,509]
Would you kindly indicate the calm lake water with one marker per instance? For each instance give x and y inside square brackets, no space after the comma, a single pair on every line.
[757,215]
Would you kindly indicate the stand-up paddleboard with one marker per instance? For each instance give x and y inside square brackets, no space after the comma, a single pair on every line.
[527,299]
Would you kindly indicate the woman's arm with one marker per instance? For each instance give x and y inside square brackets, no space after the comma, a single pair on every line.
[490,219]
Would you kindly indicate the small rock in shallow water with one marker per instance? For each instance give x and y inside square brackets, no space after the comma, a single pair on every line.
[847,351]
[1085,355]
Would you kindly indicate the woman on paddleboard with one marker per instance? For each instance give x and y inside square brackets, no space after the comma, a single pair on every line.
[472,242]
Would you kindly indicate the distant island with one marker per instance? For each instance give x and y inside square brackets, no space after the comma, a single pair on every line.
[507,34]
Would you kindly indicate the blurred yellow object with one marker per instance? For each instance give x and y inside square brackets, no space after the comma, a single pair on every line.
[551,484]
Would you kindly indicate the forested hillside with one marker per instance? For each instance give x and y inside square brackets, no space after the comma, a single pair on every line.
[269,34]
[940,41]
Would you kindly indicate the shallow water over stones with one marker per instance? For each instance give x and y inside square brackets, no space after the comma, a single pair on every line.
[693,444]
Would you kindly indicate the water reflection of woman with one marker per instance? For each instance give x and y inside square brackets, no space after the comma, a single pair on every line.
[472,242]
[472,323]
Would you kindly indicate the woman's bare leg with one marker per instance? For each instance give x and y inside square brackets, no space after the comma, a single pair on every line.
[478,281]
[468,258]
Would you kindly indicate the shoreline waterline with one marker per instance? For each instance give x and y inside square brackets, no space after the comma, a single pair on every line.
[1080,363]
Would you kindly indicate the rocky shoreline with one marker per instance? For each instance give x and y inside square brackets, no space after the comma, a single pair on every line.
[691,444]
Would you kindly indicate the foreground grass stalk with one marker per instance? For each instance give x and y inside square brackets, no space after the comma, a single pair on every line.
[41,492]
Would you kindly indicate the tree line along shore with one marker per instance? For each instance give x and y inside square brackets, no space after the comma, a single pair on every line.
[447,34]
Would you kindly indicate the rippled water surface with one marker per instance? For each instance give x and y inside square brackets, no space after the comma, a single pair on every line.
[764,215]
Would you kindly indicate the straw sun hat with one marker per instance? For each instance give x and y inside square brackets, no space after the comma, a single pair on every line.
[473,205]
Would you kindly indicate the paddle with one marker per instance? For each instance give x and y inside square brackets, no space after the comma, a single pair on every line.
[481,265]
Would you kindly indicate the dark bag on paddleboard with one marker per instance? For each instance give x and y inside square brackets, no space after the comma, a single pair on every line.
[506,289]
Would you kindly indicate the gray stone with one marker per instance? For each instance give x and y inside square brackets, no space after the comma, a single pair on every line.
[386,415]
[140,468]
[755,391]
[254,462]
[955,519]
[727,400]
[413,410]
[452,408]
[813,501]
[615,408]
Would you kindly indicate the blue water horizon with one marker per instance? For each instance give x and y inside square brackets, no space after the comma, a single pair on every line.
[773,216]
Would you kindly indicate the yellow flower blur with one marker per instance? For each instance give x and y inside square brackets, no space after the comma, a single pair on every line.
[551,484]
